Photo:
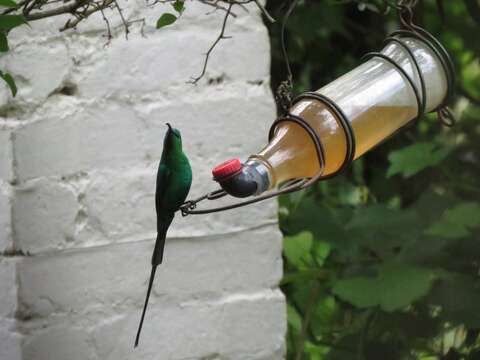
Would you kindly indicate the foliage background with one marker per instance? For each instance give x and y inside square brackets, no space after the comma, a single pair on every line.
[384,261]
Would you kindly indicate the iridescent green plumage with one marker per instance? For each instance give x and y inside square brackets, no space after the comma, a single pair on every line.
[174,178]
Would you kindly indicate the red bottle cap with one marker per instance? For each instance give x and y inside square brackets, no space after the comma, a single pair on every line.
[226,168]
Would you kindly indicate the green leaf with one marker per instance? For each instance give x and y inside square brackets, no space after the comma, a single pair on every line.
[395,287]
[165,20]
[8,22]
[319,220]
[383,230]
[297,249]
[8,3]
[321,251]
[179,6]
[415,158]
[326,311]
[10,82]
[431,206]
[457,222]
[293,318]
[315,352]
[447,230]
[466,214]
[3,42]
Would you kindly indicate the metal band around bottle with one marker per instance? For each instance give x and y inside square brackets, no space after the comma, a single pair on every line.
[418,98]
[444,113]
[441,53]
[344,123]
[410,53]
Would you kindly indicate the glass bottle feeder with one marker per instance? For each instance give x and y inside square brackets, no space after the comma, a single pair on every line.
[326,130]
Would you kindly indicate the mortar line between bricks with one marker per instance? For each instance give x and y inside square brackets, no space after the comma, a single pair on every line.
[173,92]
[151,238]
[220,298]
[267,294]
[238,295]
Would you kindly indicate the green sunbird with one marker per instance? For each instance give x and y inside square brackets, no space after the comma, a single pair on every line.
[174,178]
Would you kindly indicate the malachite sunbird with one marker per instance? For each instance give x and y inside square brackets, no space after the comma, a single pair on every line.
[174,178]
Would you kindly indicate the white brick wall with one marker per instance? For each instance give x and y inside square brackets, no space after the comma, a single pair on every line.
[77,177]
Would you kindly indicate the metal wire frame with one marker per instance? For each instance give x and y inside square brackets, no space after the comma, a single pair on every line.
[443,112]
[294,185]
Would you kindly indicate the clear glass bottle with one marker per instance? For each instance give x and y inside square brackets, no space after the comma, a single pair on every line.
[375,97]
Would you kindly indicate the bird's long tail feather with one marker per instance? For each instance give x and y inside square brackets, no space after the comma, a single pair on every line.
[150,284]
[157,258]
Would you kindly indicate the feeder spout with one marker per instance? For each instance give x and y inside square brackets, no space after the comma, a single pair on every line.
[241,180]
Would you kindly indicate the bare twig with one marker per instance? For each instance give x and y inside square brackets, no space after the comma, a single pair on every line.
[79,16]
[142,26]
[79,10]
[64,9]
[84,8]
[220,37]
[125,23]
[217,7]
[109,32]
[264,11]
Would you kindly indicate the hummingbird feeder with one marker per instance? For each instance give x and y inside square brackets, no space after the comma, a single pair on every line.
[412,75]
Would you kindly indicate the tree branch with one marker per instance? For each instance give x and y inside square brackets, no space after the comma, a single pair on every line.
[79,10]
[215,43]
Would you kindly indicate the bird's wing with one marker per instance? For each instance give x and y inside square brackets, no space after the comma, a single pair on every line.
[163,176]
